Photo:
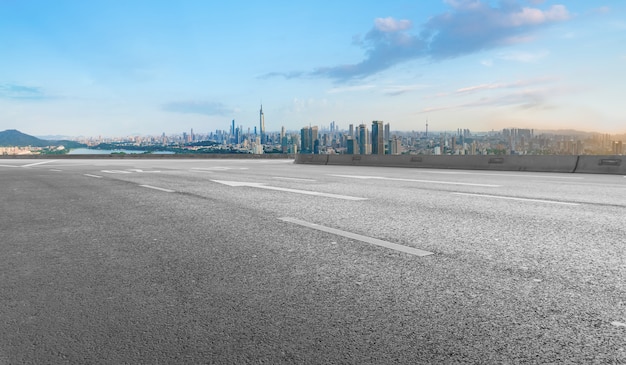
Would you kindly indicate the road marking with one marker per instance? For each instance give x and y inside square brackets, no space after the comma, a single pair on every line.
[204,171]
[521,174]
[157,188]
[414,180]
[20,166]
[142,171]
[116,172]
[56,170]
[518,199]
[37,163]
[292,179]
[358,237]
[305,192]
[220,168]
[96,176]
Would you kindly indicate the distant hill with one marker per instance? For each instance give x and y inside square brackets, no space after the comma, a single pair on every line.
[15,138]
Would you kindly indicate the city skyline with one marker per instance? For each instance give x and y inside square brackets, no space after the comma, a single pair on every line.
[114,68]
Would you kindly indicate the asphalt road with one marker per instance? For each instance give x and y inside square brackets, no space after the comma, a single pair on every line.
[267,262]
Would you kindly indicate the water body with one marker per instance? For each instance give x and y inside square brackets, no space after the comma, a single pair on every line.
[87,151]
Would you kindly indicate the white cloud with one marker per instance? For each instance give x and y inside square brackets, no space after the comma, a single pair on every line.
[394,90]
[337,90]
[470,26]
[533,16]
[390,24]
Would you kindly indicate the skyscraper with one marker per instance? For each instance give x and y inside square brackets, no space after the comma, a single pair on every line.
[387,137]
[262,125]
[309,142]
[364,140]
[315,147]
[283,140]
[352,146]
[378,140]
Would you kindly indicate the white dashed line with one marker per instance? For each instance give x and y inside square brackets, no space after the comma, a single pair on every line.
[157,188]
[415,180]
[517,199]
[96,176]
[358,237]
[38,163]
[292,179]
[288,190]
[116,172]
[502,174]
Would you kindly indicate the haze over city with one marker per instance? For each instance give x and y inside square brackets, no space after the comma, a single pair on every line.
[146,67]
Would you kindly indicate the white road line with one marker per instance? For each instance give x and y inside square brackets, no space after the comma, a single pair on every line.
[157,188]
[414,180]
[19,166]
[142,171]
[358,237]
[518,199]
[96,176]
[521,174]
[220,168]
[292,179]
[116,171]
[297,191]
[38,163]
[56,170]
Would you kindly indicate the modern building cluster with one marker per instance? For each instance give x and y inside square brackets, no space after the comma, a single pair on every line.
[357,140]
[376,138]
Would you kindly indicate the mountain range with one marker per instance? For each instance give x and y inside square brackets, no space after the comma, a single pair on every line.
[15,138]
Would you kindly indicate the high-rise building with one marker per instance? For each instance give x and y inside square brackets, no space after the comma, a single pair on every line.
[396,145]
[352,146]
[387,139]
[618,148]
[309,140]
[283,140]
[262,125]
[315,140]
[378,138]
[364,140]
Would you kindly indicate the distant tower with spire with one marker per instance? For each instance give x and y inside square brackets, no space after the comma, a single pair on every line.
[262,125]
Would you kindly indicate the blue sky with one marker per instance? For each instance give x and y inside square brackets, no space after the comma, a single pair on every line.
[125,67]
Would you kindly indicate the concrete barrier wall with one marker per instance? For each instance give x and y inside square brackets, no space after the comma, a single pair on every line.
[602,165]
[307,159]
[474,162]
[609,164]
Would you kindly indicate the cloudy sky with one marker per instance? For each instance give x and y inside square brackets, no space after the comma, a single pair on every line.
[120,67]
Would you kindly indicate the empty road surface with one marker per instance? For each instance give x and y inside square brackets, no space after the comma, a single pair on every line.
[268,262]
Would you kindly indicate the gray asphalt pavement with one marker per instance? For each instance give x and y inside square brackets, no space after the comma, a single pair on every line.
[256,261]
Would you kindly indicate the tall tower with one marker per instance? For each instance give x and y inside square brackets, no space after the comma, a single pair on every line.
[305,140]
[378,141]
[262,125]
[364,140]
